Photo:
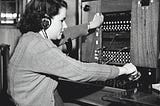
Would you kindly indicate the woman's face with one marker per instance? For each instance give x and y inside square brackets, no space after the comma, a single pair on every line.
[57,26]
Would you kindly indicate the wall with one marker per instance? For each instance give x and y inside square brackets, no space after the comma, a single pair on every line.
[116,5]
[71,12]
[71,20]
[9,35]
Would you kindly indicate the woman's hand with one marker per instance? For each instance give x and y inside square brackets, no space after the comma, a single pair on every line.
[97,21]
[128,68]
[132,72]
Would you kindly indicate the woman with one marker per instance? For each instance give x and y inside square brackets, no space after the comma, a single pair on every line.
[37,62]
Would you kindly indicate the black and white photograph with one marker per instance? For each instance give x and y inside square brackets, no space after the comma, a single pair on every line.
[79,53]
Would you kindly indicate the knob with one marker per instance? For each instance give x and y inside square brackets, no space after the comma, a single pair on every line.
[87,8]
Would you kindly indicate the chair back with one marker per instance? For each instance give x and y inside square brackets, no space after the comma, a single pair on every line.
[4,60]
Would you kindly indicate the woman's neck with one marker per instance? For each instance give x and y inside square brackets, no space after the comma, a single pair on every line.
[43,34]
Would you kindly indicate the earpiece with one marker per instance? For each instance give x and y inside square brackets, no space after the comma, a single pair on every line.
[46,22]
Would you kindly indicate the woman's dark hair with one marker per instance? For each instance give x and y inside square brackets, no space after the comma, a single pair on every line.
[35,11]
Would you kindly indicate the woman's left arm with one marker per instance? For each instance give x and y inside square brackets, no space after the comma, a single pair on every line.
[82,29]
[74,32]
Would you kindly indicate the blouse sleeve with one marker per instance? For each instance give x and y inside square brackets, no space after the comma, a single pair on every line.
[74,32]
[56,63]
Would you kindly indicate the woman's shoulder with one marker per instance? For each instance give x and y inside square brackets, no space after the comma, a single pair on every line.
[36,43]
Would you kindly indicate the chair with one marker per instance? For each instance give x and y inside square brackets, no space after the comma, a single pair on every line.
[4,60]
[5,99]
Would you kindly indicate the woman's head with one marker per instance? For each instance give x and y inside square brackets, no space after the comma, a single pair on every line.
[56,28]
[38,11]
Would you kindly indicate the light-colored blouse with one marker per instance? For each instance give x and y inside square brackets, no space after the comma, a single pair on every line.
[37,63]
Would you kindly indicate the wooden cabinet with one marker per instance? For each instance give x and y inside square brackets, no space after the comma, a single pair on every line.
[144,46]
[145,34]
[88,44]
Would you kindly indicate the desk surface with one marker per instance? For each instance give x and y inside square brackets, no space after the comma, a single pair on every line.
[102,96]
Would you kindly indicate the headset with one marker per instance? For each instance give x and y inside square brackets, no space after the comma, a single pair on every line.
[46,22]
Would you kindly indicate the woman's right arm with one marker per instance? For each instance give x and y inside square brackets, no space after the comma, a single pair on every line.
[56,63]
